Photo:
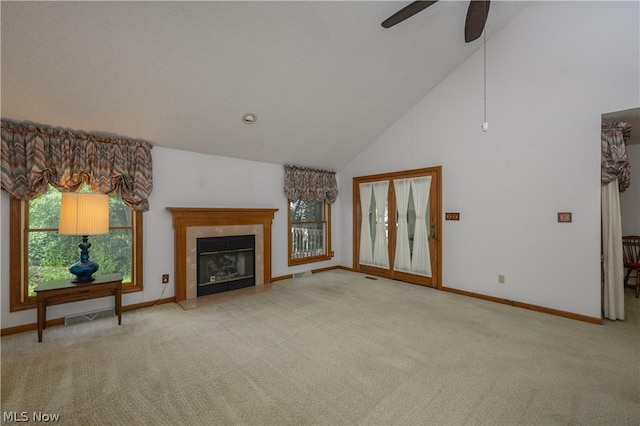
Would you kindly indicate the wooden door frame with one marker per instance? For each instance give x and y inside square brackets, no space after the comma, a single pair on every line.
[435,219]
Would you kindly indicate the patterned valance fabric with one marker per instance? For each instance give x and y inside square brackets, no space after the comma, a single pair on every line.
[34,156]
[615,162]
[301,183]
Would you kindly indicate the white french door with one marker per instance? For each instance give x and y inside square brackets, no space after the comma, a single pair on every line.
[413,225]
[396,219]
[375,236]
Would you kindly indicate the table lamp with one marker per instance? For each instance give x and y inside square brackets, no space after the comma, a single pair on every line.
[84,214]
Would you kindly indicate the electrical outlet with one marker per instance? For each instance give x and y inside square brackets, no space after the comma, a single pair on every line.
[165,278]
[564,217]
[500,279]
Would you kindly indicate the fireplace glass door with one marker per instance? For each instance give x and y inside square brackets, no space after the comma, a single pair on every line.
[225,263]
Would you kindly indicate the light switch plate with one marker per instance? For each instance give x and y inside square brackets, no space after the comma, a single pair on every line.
[452,216]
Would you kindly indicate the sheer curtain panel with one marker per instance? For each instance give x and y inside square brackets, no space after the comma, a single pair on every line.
[381,243]
[403,246]
[612,262]
[421,259]
[366,247]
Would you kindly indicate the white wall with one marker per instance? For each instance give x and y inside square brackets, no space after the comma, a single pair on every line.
[181,179]
[551,73]
[630,199]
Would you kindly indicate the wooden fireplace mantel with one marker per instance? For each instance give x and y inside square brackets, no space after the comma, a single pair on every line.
[185,217]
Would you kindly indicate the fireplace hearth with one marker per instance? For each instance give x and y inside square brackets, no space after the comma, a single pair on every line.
[225,263]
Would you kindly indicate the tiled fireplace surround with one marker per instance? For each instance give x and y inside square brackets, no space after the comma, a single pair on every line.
[191,223]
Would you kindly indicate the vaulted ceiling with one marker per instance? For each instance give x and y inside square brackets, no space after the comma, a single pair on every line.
[323,78]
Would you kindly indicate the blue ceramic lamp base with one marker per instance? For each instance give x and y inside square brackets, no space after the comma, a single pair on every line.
[85,268]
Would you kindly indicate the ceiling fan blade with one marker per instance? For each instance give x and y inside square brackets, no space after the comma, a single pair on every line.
[406,12]
[476,18]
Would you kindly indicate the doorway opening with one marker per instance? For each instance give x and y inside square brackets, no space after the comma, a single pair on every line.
[620,208]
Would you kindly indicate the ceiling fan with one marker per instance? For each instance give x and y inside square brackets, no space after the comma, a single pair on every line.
[474,25]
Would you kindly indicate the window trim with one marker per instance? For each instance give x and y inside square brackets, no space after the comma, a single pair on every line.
[18,288]
[312,259]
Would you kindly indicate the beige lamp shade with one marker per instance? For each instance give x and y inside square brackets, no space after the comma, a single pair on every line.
[84,214]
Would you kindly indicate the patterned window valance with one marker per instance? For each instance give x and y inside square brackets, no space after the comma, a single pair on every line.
[34,156]
[301,183]
[615,162]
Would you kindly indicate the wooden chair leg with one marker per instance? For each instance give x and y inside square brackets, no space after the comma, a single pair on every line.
[626,276]
[637,283]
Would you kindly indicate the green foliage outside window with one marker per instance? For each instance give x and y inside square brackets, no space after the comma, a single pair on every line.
[306,211]
[50,254]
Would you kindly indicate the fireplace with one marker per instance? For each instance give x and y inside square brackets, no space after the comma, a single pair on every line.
[193,223]
[225,263]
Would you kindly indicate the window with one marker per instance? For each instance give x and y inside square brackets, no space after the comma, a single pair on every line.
[39,253]
[310,231]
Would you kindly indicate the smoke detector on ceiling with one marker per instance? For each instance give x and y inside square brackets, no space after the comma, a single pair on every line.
[249,118]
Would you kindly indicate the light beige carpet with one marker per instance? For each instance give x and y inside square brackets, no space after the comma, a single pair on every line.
[332,348]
